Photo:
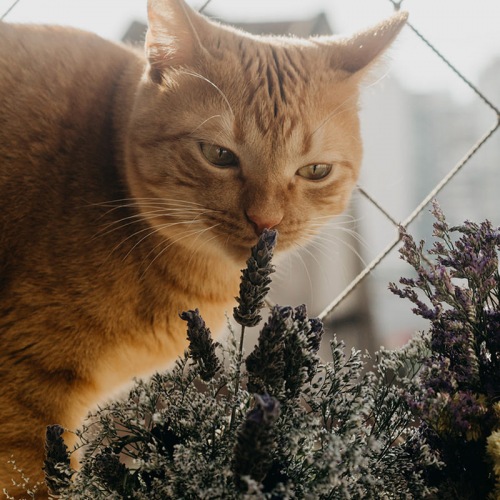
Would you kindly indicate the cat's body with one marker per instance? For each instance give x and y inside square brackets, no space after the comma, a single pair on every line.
[113,218]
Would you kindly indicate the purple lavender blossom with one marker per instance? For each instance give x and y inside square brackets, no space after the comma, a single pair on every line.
[255,280]
[457,289]
[286,353]
[57,467]
[201,345]
[266,364]
[253,453]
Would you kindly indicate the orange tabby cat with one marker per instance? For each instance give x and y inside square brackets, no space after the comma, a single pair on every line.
[131,189]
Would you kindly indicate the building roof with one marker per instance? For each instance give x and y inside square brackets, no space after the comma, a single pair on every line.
[317,25]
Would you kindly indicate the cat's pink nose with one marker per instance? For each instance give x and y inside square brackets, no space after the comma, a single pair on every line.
[261,222]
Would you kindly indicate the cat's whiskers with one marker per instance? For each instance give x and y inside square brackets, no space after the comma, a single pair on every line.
[198,75]
[326,229]
[337,219]
[178,213]
[133,202]
[138,198]
[158,228]
[304,247]
[340,223]
[203,123]
[174,242]
[152,230]
[204,242]
[346,230]
[186,234]
[163,207]
[283,270]
[327,251]
[137,202]
[170,241]
[140,203]
[298,254]
[335,113]
[323,243]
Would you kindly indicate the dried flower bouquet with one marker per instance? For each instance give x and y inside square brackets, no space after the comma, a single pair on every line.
[281,423]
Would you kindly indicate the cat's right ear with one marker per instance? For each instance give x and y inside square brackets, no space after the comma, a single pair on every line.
[172,37]
[355,55]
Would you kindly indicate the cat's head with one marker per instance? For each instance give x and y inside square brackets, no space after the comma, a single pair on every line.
[232,133]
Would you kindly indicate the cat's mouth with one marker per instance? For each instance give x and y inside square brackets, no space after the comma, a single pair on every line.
[238,245]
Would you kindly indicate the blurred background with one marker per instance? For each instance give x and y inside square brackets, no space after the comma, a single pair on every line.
[419,119]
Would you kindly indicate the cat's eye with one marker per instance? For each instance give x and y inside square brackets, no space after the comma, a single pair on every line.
[315,172]
[218,155]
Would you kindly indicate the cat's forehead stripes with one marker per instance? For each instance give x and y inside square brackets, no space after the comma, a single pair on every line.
[276,77]
[275,85]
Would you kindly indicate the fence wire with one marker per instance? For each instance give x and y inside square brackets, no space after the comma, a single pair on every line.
[397,4]
[431,194]
[7,12]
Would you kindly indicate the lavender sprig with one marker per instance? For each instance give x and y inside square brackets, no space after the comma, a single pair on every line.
[113,474]
[301,346]
[256,441]
[201,345]
[255,280]
[266,364]
[254,286]
[457,288]
[285,356]
[57,468]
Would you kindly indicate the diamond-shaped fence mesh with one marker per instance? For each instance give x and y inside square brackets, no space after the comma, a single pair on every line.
[473,148]
[433,192]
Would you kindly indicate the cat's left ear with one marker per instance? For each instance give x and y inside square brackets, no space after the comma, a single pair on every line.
[358,52]
[173,35]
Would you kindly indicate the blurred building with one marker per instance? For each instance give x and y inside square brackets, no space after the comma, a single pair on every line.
[317,25]
[411,143]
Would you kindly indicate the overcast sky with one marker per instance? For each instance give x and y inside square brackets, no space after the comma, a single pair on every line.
[466,31]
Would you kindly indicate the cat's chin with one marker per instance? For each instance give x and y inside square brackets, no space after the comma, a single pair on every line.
[240,252]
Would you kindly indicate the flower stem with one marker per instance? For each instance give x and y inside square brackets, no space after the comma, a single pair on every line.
[238,377]
[240,351]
